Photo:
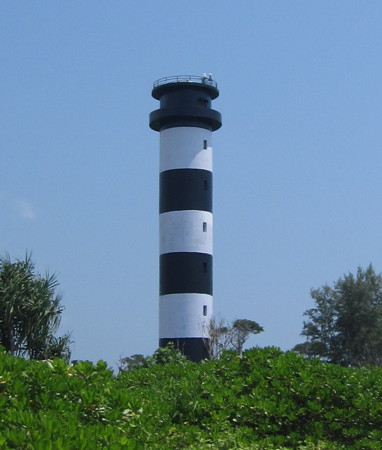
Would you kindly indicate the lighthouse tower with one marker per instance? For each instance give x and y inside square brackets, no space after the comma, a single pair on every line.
[185,121]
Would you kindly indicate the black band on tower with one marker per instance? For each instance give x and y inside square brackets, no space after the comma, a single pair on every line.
[185,272]
[185,189]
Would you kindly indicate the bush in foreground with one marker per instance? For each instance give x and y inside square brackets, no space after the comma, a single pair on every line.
[264,399]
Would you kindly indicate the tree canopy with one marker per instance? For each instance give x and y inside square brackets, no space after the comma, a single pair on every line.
[30,311]
[345,326]
[230,337]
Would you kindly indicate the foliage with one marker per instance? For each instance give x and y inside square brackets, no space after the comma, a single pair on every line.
[132,362]
[345,327]
[263,399]
[229,337]
[163,355]
[30,311]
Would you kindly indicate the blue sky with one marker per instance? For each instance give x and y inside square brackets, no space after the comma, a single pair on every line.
[297,163]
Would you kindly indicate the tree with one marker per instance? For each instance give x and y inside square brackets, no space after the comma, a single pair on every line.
[161,356]
[132,362]
[30,312]
[230,337]
[345,327]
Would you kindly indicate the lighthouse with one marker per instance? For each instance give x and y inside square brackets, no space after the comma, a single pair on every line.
[185,121]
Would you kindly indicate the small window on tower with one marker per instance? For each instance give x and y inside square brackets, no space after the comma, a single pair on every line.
[204,310]
[205,185]
[205,144]
[204,227]
[205,267]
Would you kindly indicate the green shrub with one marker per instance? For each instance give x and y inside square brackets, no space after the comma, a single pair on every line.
[263,399]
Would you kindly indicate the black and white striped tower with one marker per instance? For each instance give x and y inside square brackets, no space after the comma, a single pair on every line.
[185,121]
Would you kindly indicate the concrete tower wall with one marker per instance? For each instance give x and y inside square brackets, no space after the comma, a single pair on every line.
[181,316]
[185,234]
[185,148]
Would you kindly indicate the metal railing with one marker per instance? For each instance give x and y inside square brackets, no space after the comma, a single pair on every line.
[204,79]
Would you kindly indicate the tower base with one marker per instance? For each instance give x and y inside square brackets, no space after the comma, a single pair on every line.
[195,349]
